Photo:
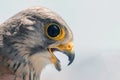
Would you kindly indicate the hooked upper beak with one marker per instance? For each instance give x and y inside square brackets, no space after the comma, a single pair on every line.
[66,49]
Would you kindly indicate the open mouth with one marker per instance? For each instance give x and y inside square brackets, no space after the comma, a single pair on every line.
[66,49]
[54,59]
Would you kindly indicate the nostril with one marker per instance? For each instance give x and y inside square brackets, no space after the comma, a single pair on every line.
[69,46]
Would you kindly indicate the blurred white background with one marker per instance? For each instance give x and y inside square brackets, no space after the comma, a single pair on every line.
[96,28]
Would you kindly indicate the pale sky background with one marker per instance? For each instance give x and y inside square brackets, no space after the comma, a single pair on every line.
[96,28]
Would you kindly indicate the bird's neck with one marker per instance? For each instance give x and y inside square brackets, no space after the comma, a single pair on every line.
[39,61]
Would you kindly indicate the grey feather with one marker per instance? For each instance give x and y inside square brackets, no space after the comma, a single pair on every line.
[22,36]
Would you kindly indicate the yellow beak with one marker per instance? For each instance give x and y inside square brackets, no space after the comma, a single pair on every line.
[67,49]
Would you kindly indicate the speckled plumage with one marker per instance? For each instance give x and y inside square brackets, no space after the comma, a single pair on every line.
[23,43]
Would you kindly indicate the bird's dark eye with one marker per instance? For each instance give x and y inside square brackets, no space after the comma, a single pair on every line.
[54,31]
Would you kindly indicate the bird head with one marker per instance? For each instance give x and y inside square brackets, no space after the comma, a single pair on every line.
[38,30]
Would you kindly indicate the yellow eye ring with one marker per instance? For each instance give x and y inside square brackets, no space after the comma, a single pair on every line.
[54,31]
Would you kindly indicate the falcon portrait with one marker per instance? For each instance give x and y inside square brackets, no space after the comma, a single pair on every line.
[28,41]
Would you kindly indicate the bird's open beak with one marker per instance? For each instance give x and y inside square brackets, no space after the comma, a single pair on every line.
[67,49]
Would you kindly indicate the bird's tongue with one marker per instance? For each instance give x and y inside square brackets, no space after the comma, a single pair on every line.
[54,49]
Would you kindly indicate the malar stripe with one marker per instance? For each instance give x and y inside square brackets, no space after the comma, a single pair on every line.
[16,66]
